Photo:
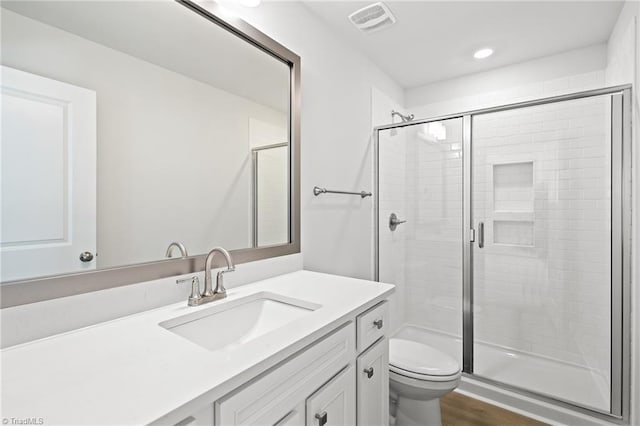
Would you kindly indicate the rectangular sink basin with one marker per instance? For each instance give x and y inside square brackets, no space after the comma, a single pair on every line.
[237,322]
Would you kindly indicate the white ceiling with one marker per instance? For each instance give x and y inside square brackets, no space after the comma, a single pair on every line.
[435,40]
[169,35]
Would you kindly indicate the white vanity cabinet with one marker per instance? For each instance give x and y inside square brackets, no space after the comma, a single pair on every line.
[340,380]
[373,367]
[280,352]
[279,395]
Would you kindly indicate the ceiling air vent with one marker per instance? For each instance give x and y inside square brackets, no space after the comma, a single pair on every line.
[373,17]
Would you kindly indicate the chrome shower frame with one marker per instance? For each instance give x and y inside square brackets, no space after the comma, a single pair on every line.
[621,141]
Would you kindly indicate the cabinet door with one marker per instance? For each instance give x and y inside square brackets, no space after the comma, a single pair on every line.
[373,385]
[334,404]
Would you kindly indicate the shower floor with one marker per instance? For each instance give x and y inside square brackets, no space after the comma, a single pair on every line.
[554,378]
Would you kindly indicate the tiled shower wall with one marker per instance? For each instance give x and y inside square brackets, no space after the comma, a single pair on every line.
[434,229]
[542,188]
[393,192]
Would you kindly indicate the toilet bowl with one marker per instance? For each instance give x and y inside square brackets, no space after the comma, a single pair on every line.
[418,376]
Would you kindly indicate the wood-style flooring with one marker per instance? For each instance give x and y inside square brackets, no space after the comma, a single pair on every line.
[460,410]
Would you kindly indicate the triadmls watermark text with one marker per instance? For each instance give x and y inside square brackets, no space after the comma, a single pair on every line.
[23,420]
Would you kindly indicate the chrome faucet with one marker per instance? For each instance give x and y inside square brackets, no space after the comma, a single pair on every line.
[180,246]
[220,292]
[209,294]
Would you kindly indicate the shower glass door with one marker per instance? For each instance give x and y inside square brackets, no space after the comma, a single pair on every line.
[420,181]
[541,208]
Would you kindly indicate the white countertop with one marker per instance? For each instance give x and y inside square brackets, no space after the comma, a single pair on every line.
[133,371]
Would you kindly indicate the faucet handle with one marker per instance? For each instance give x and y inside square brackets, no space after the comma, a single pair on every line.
[195,297]
[220,280]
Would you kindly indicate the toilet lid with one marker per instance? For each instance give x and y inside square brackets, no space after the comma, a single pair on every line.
[418,358]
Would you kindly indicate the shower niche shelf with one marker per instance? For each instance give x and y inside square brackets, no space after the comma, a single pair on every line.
[513,204]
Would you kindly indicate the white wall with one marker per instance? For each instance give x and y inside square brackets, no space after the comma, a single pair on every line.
[572,71]
[160,136]
[336,136]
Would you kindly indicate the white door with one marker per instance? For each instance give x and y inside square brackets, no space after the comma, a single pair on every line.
[373,385]
[335,403]
[48,157]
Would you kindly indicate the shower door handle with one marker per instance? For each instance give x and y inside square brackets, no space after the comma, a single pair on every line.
[481,235]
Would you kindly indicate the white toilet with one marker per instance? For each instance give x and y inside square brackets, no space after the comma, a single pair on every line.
[418,376]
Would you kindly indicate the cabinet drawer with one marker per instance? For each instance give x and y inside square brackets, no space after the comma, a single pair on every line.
[334,404]
[373,385]
[372,325]
[269,398]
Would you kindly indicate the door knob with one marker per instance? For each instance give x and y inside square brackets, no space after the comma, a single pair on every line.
[394,221]
[86,256]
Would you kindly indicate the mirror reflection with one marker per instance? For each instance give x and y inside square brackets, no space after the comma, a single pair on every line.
[129,126]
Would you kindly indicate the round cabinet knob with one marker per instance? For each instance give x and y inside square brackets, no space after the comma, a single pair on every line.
[378,324]
[86,256]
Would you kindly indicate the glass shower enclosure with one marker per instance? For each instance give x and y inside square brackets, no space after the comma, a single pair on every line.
[514,256]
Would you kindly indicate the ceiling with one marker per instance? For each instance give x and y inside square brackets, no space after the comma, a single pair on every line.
[175,38]
[435,40]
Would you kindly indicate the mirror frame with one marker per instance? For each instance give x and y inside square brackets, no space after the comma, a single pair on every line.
[21,292]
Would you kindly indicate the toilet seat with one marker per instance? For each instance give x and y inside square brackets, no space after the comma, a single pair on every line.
[421,362]
[423,377]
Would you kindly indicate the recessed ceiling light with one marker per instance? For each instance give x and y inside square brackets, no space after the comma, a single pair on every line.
[483,53]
